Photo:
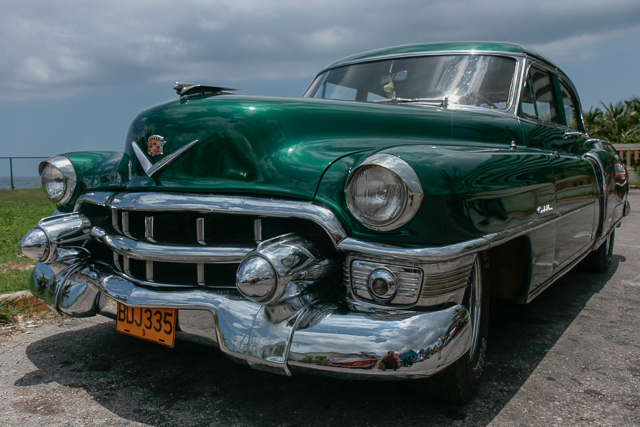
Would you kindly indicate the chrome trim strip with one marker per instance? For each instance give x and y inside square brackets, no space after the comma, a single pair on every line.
[596,163]
[130,248]
[176,202]
[423,254]
[442,253]
[149,168]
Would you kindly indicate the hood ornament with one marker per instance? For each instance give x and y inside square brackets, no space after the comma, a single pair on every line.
[187,89]
[155,145]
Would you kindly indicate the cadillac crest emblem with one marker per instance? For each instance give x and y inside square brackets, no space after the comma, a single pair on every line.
[155,144]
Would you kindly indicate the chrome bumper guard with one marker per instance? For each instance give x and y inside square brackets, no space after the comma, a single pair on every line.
[315,337]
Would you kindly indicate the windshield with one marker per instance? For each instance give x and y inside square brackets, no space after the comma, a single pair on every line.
[480,80]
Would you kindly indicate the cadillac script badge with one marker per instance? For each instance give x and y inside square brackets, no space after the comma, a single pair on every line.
[155,144]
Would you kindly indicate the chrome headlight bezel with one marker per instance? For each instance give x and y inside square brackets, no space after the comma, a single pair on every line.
[412,192]
[64,166]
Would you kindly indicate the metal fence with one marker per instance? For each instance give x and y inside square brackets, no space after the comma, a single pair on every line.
[11,175]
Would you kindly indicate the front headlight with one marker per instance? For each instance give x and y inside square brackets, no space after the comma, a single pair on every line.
[58,179]
[384,192]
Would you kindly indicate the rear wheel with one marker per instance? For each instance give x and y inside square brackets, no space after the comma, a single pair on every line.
[600,260]
[459,382]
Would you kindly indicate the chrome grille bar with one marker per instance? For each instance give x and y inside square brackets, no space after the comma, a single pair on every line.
[148,228]
[201,274]
[257,230]
[149,270]
[125,223]
[200,231]
[208,204]
[125,262]
[130,248]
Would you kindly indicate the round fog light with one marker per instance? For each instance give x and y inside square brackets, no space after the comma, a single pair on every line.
[382,285]
[256,279]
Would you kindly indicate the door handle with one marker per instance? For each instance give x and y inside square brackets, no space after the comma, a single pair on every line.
[572,134]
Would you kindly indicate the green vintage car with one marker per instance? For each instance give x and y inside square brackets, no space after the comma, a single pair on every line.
[356,232]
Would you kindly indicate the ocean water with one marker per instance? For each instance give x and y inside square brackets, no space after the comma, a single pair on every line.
[20,182]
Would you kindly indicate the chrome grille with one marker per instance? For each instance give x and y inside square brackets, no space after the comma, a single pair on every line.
[189,247]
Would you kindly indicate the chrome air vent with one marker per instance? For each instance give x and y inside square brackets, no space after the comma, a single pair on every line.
[439,284]
[409,281]
[420,284]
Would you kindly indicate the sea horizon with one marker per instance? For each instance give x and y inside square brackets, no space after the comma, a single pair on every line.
[20,182]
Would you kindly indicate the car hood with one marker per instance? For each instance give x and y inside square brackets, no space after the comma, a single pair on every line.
[282,146]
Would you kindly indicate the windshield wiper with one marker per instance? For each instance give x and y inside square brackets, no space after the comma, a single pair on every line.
[443,102]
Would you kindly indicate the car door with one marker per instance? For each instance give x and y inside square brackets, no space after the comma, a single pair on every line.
[551,121]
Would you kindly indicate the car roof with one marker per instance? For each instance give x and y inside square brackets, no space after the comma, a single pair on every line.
[428,48]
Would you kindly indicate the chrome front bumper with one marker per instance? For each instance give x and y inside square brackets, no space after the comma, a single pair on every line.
[346,340]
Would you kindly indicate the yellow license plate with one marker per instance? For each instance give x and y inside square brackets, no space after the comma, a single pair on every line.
[153,324]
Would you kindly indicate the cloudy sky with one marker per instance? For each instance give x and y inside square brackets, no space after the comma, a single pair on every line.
[74,73]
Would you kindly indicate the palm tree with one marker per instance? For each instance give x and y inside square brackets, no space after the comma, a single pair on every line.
[618,123]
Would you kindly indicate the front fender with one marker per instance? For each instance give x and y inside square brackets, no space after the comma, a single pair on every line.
[469,192]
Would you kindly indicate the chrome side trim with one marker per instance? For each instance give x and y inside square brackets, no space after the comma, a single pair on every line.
[601,179]
[442,253]
[177,202]
[423,254]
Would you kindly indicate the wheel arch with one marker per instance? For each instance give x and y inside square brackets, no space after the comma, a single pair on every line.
[509,269]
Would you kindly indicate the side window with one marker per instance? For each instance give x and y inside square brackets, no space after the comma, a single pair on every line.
[569,104]
[539,97]
[333,91]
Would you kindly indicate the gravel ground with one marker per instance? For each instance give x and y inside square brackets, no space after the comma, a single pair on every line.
[571,357]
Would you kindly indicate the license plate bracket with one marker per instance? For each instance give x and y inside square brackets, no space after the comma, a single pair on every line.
[152,324]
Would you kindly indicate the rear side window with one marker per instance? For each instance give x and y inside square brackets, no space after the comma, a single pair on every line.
[538,98]
[570,107]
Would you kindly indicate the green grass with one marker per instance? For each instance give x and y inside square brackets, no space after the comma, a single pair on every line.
[8,313]
[20,210]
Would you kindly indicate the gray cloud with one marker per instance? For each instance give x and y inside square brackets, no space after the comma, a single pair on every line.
[62,48]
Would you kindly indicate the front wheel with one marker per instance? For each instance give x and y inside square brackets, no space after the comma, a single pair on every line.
[459,382]
[600,260]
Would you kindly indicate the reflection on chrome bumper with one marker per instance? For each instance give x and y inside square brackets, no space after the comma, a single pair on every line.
[324,338]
